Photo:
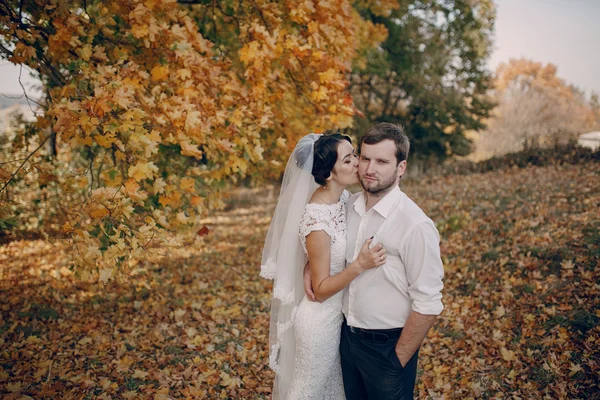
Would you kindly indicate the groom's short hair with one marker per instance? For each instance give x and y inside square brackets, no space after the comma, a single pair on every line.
[386,131]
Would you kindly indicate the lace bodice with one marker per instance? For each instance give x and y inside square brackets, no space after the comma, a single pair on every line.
[330,218]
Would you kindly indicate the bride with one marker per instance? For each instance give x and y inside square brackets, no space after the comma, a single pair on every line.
[309,224]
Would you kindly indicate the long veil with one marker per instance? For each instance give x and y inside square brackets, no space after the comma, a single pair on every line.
[283,261]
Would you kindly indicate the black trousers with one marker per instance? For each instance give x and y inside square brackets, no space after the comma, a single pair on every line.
[370,367]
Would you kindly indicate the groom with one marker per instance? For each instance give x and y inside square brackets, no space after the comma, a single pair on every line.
[388,310]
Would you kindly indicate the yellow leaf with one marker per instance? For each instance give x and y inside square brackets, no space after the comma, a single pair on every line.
[140,374]
[139,30]
[237,117]
[319,94]
[230,382]
[85,52]
[159,185]
[112,178]
[187,185]
[508,355]
[328,76]
[124,363]
[132,190]
[13,387]
[196,200]
[499,312]
[258,149]
[575,368]
[182,217]
[184,74]
[159,73]
[105,274]
[98,211]
[85,340]
[86,141]
[226,145]
[193,120]
[67,227]
[196,341]
[162,394]
[142,170]
[567,264]
[249,51]
[239,164]
[171,199]
[189,149]
[106,140]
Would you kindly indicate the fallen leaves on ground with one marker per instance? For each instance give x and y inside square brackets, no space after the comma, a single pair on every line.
[521,250]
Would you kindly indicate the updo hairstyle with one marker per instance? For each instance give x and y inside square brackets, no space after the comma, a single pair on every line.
[325,156]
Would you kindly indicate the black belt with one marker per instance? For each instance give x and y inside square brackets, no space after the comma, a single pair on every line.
[378,335]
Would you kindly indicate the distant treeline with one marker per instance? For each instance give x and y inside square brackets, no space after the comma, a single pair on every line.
[570,153]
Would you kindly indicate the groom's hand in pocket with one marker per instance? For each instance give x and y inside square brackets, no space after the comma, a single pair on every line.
[308,289]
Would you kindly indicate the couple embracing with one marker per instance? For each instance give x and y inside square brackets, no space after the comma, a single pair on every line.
[349,324]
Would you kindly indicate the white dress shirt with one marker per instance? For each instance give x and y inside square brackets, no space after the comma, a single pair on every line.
[411,278]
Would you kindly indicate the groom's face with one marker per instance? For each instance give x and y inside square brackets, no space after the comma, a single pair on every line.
[378,170]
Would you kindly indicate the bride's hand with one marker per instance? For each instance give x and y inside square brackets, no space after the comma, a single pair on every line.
[371,257]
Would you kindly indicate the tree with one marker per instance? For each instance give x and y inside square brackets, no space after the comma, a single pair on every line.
[150,107]
[430,73]
[536,108]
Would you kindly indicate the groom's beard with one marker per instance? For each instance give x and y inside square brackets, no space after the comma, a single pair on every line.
[378,188]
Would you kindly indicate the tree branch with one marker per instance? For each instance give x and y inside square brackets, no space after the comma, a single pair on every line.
[12,161]
[25,91]
[12,177]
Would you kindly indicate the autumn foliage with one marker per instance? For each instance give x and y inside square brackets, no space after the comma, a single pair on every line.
[536,109]
[521,250]
[151,107]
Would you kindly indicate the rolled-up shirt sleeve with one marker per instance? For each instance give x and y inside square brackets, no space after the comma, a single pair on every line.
[420,253]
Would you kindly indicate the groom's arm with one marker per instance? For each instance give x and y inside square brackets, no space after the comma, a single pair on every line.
[424,272]
[415,329]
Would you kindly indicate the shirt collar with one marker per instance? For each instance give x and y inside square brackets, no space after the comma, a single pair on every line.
[359,204]
[382,207]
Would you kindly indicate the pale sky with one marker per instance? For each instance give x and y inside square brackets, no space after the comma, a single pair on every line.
[563,32]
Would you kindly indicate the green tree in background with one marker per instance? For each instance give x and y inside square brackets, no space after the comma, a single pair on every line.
[430,74]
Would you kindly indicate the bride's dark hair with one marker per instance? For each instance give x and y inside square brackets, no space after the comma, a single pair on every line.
[326,155]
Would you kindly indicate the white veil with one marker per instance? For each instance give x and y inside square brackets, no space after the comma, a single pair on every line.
[283,261]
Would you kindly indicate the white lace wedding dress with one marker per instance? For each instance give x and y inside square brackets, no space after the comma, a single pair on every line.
[317,371]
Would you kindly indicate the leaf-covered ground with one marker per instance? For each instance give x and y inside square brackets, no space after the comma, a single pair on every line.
[521,250]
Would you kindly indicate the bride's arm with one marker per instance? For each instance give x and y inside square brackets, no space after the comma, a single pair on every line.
[318,246]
